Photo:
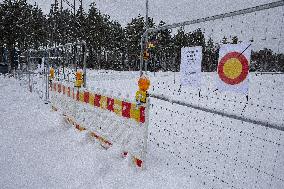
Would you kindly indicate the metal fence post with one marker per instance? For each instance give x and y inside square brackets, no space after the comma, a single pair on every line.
[84,48]
[141,55]
[145,142]
[47,79]
[29,72]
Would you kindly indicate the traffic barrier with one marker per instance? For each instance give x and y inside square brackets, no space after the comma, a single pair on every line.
[108,119]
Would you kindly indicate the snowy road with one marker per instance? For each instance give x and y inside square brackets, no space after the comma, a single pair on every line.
[39,151]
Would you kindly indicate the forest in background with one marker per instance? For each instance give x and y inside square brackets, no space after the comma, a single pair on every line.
[110,45]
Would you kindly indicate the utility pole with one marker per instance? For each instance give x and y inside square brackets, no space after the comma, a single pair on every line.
[74,46]
[53,40]
[147,11]
[147,26]
[74,8]
[61,6]
[81,4]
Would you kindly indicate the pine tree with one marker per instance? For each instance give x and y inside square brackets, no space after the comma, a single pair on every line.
[65,27]
[210,56]
[96,37]
[224,40]
[164,51]
[133,32]
[21,27]
[235,40]
[265,60]
[116,46]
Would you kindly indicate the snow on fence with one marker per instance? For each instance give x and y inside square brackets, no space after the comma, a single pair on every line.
[110,120]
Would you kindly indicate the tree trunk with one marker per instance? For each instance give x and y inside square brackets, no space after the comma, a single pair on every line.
[99,59]
[10,56]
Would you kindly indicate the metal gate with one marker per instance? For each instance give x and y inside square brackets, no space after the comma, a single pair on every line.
[64,59]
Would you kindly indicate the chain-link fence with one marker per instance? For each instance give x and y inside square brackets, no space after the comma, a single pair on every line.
[223,139]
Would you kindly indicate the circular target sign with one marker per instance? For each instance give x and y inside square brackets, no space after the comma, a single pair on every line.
[233,68]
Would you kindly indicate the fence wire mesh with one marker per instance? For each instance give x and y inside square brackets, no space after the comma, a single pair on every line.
[215,149]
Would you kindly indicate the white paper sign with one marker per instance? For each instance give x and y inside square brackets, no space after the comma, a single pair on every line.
[190,66]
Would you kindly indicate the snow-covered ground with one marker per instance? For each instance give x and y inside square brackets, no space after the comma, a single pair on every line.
[187,148]
[39,151]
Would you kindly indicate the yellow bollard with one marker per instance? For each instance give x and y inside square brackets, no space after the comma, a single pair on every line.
[79,79]
[51,74]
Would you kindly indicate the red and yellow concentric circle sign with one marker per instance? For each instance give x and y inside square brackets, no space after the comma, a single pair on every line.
[233,68]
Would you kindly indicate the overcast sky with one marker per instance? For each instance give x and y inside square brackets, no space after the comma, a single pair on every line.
[168,10]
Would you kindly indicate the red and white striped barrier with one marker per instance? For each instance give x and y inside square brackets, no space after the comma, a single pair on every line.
[109,120]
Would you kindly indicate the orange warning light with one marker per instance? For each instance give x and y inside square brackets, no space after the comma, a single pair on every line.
[143,83]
